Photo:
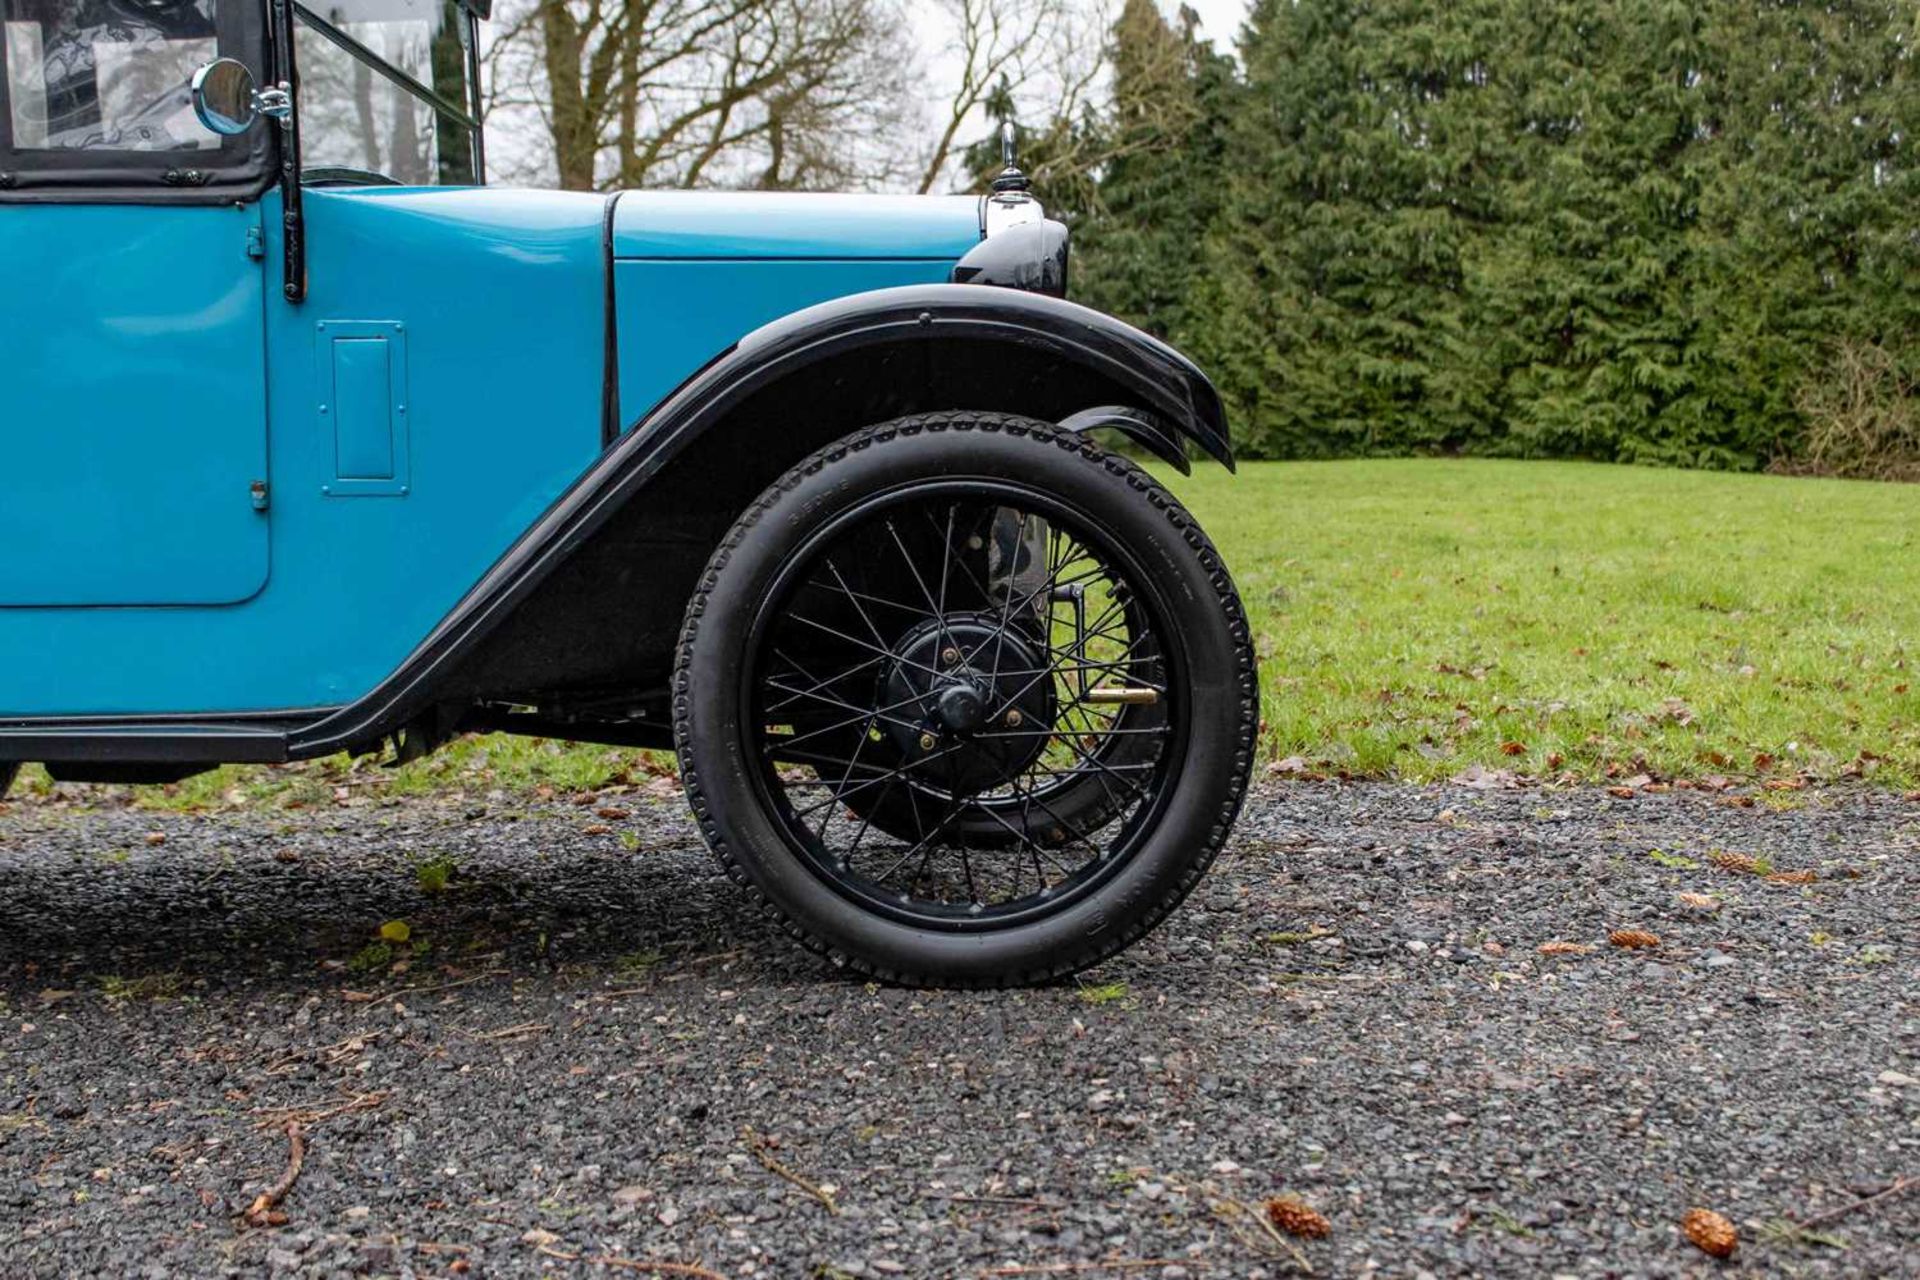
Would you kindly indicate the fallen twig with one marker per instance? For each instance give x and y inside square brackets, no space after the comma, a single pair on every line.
[275,1117]
[521,1032]
[262,1213]
[1252,1229]
[758,1145]
[442,986]
[1899,1188]
[961,1197]
[328,1055]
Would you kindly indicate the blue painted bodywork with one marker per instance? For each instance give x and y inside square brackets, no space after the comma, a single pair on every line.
[690,224]
[127,473]
[440,386]
[694,272]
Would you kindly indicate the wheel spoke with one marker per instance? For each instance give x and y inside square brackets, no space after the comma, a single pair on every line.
[892,669]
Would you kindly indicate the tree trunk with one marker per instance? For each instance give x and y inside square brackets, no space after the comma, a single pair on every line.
[574,142]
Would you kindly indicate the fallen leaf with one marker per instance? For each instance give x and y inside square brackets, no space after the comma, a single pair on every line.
[1290,765]
[396,931]
[1297,1218]
[1706,902]
[1785,784]
[1623,793]
[156,837]
[358,997]
[1513,748]
[1710,1233]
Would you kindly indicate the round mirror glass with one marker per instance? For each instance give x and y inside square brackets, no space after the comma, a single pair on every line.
[223,96]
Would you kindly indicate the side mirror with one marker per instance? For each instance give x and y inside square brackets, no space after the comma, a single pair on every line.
[226,101]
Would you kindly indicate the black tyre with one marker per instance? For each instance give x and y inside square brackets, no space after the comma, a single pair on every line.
[966,700]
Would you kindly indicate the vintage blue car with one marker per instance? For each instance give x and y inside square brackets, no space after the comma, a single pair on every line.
[315,443]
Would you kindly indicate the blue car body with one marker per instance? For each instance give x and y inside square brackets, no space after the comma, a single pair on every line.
[408,429]
[290,466]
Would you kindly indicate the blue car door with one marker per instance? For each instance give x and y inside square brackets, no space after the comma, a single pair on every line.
[133,394]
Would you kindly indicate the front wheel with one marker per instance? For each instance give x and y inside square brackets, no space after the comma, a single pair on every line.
[966,700]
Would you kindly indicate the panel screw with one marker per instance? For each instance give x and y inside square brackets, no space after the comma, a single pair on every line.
[1014,718]
[927,742]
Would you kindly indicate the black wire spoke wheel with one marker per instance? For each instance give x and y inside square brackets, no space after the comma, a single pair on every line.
[942,684]
[966,700]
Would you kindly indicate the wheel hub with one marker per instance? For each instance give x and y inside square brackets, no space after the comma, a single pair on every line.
[960,706]
[976,702]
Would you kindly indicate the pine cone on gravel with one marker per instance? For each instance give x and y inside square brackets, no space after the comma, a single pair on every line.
[1633,939]
[1712,1234]
[1295,1217]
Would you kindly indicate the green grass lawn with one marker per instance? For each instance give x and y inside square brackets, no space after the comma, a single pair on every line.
[1417,617]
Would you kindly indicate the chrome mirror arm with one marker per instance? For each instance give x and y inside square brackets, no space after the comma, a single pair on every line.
[275,102]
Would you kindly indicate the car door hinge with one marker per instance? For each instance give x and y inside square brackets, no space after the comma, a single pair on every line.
[258,492]
[256,244]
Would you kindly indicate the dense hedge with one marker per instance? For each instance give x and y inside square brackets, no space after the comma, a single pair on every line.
[1644,230]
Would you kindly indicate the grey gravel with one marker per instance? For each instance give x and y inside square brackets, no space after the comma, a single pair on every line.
[1353,1009]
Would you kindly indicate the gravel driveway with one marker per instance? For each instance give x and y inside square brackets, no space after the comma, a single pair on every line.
[587,1054]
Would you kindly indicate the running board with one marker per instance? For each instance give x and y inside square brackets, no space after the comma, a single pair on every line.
[145,742]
